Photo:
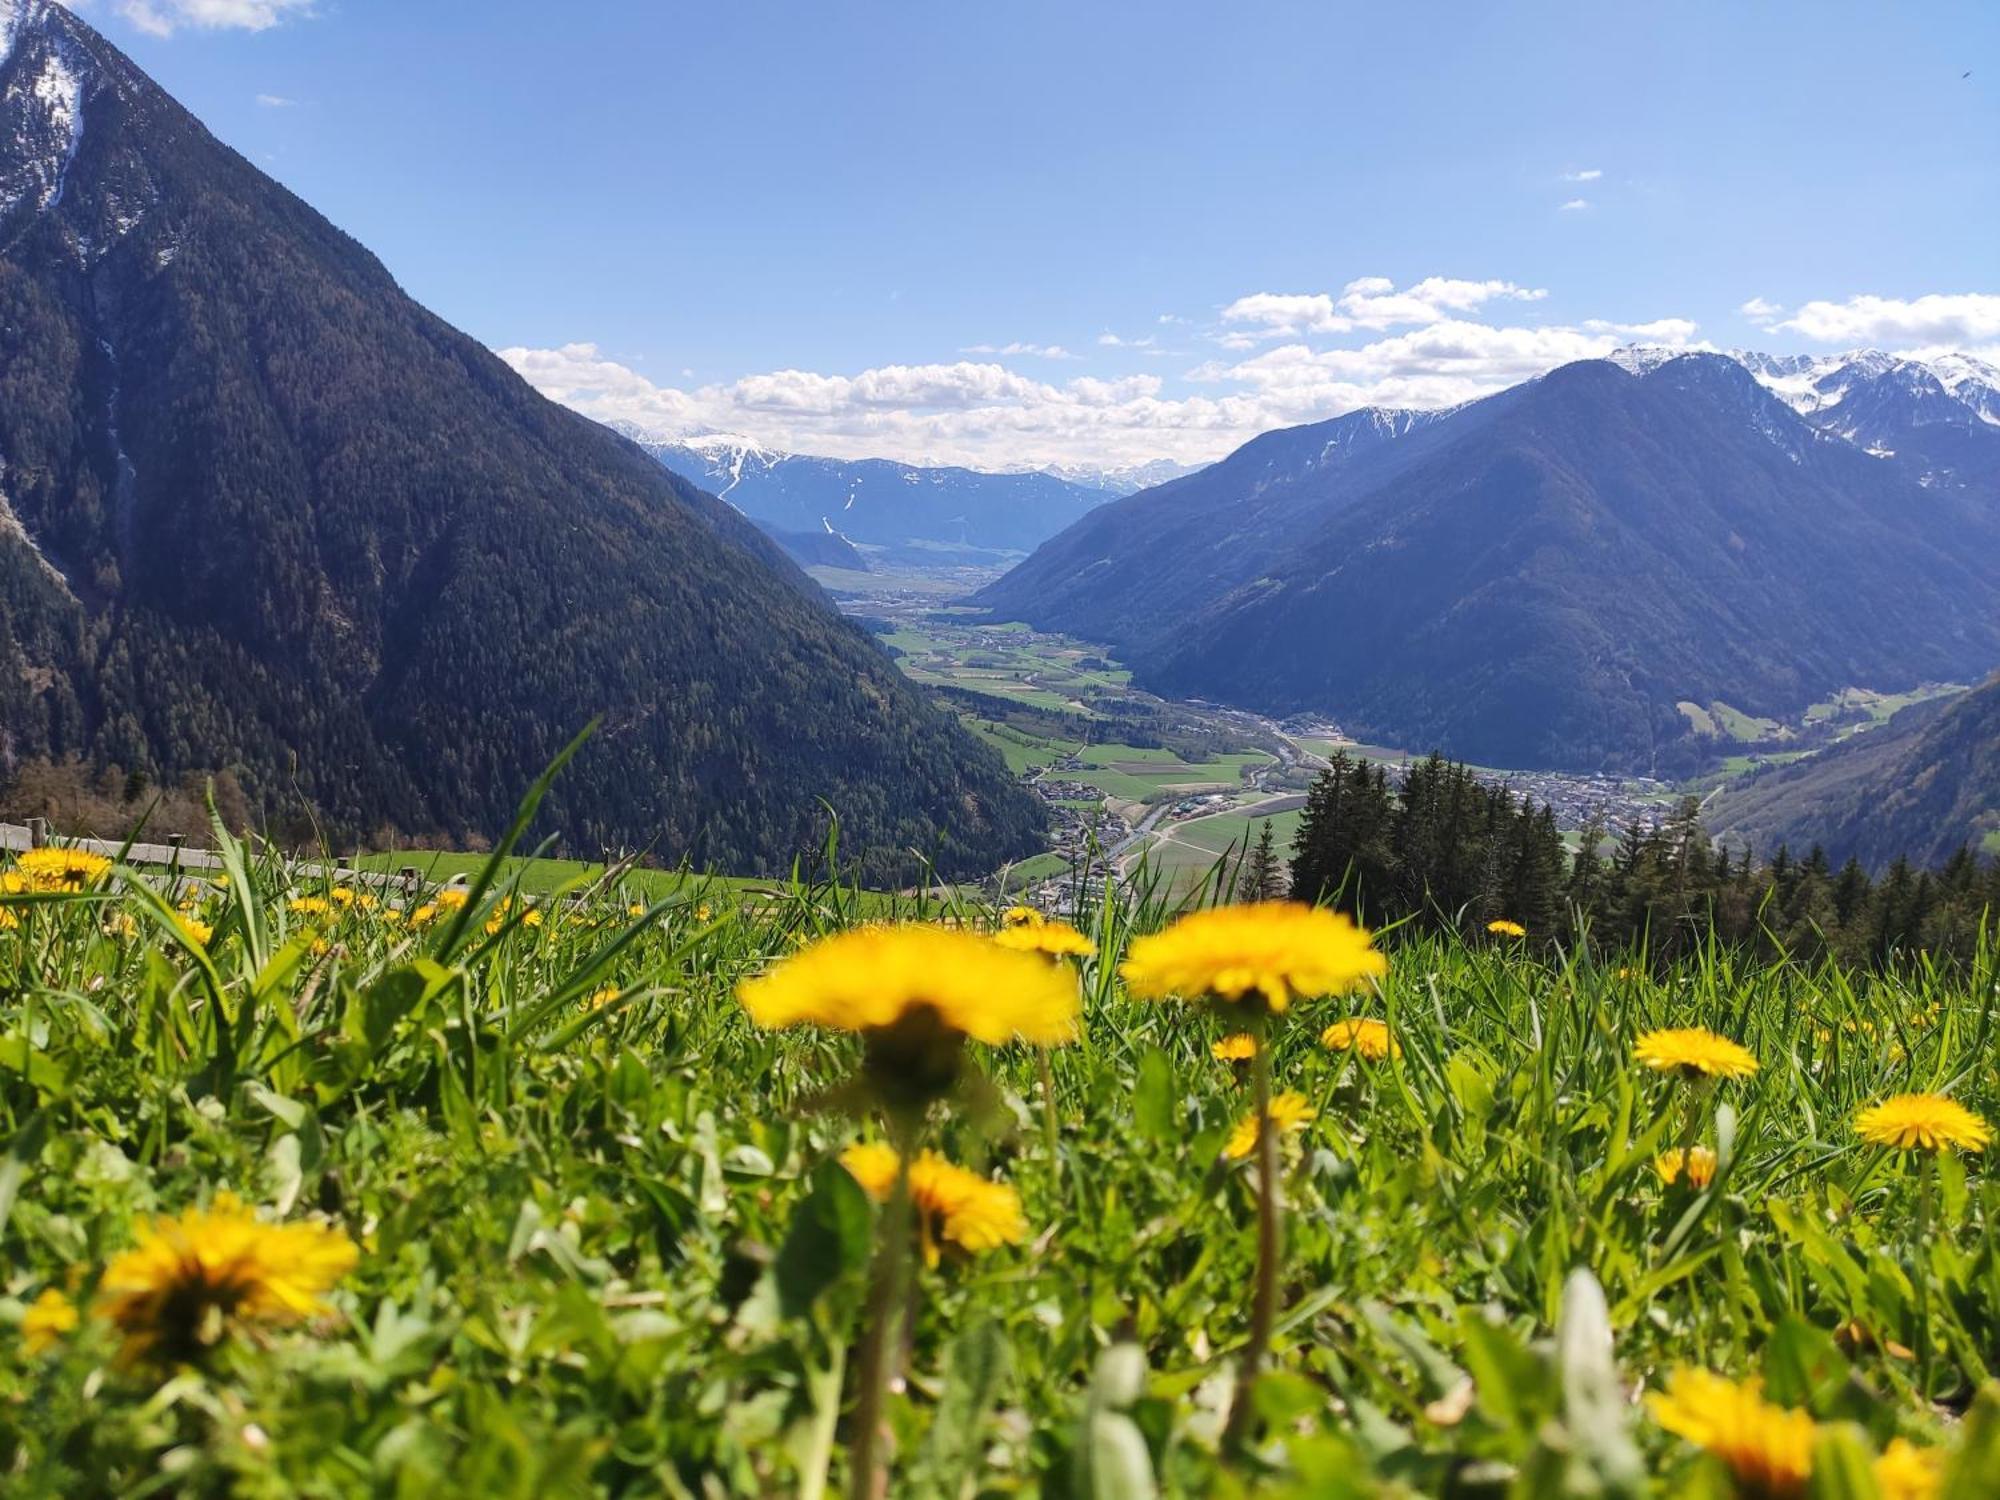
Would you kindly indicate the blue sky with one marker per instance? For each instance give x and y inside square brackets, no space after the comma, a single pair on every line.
[860,227]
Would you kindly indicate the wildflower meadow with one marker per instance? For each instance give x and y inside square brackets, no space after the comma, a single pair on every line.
[314,1187]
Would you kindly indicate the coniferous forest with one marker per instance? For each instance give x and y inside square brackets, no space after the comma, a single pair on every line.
[1440,849]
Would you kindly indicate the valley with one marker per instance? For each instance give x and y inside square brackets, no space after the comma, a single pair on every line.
[1151,788]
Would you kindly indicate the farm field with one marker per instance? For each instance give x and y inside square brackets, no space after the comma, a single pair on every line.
[578,1226]
[1139,774]
[540,877]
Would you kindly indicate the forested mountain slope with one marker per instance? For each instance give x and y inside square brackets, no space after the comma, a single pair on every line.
[261,510]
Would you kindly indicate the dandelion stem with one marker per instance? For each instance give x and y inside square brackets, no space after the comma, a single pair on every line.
[1264,1309]
[1920,1267]
[1050,1127]
[879,1337]
[1691,1131]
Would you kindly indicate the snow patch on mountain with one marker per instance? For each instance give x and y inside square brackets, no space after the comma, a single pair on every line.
[42,110]
[12,14]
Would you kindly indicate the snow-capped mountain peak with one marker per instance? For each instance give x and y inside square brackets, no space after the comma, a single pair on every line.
[41,106]
[1643,359]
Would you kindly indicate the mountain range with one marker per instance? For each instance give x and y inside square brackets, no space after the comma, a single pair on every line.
[1545,577]
[261,511]
[909,511]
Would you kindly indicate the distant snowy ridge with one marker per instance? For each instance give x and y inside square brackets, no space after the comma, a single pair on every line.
[1813,384]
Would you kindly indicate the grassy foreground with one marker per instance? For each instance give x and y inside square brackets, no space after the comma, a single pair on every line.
[603,1242]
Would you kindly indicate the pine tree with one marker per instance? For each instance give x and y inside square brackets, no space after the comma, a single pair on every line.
[1262,879]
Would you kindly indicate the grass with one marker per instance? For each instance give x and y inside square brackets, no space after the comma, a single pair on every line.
[1144,774]
[1035,869]
[540,877]
[604,1245]
[1214,835]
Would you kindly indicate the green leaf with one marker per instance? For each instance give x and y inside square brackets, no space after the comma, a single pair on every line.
[22,1152]
[289,1112]
[1440,1375]
[1512,1382]
[397,994]
[976,1368]
[40,1069]
[1842,1467]
[1802,1364]
[1975,1466]
[1156,1107]
[828,1239]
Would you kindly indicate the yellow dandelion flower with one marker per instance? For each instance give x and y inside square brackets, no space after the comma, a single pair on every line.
[193,1275]
[532,917]
[394,916]
[308,906]
[1691,1051]
[10,885]
[1362,1034]
[1698,1160]
[1626,971]
[952,1205]
[195,930]
[499,917]
[425,914]
[121,925]
[1907,1472]
[702,912]
[1238,1048]
[601,998]
[48,1318]
[1767,1448]
[636,909]
[1290,1114]
[53,869]
[453,898]
[1021,916]
[1501,927]
[1272,950]
[871,978]
[1055,939]
[1922,1122]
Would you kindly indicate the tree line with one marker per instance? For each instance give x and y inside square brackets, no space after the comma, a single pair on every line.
[1443,850]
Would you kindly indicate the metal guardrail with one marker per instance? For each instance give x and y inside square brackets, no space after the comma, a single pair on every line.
[176,856]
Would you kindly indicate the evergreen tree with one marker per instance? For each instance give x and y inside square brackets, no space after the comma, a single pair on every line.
[1262,878]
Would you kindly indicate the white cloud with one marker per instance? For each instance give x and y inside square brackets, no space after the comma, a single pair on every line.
[1761,312]
[1110,340]
[1040,351]
[980,413]
[275,101]
[1574,206]
[1588,174]
[1659,331]
[165,17]
[1281,314]
[1366,302]
[1956,320]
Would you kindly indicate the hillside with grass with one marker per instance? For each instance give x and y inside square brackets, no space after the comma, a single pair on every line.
[499,1187]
